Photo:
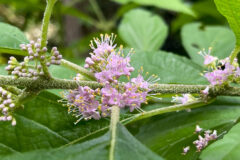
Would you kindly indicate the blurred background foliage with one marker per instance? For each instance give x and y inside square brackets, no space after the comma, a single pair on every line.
[76,22]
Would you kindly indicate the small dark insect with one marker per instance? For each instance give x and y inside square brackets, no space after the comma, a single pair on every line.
[195,46]
[221,66]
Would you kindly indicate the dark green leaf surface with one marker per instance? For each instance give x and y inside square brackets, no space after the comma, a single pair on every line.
[226,148]
[175,5]
[127,147]
[145,33]
[44,123]
[196,37]
[167,134]
[169,67]
[230,10]
[11,38]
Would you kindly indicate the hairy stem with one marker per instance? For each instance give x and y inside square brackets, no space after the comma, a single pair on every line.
[234,54]
[113,129]
[25,96]
[55,83]
[78,69]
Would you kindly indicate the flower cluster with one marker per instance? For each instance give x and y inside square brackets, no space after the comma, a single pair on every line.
[6,106]
[102,48]
[202,142]
[108,65]
[86,100]
[220,71]
[31,66]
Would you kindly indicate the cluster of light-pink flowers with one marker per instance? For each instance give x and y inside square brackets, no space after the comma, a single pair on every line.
[202,141]
[108,64]
[220,71]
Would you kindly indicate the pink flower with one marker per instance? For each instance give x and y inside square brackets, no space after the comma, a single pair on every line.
[206,91]
[208,59]
[83,104]
[186,150]
[103,45]
[184,99]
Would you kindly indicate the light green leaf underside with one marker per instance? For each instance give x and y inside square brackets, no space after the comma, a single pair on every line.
[175,5]
[196,37]
[230,10]
[167,134]
[143,30]
[11,38]
[226,148]
[127,147]
[169,67]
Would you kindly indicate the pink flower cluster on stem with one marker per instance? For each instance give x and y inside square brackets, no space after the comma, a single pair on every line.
[109,65]
[219,71]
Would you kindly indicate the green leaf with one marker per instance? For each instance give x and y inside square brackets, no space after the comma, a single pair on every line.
[143,30]
[230,10]
[167,134]
[226,148]
[44,123]
[175,5]
[196,37]
[169,67]
[11,38]
[206,12]
[127,147]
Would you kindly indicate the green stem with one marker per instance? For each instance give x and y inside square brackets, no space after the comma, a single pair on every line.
[25,96]
[78,69]
[45,23]
[47,74]
[55,83]
[42,83]
[113,129]
[13,51]
[12,89]
[173,108]
[234,54]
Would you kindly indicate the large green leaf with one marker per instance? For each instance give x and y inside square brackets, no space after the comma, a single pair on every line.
[143,30]
[11,38]
[167,134]
[169,67]
[206,12]
[226,148]
[230,9]
[127,147]
[196,37]
[44,123]
[175,5]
